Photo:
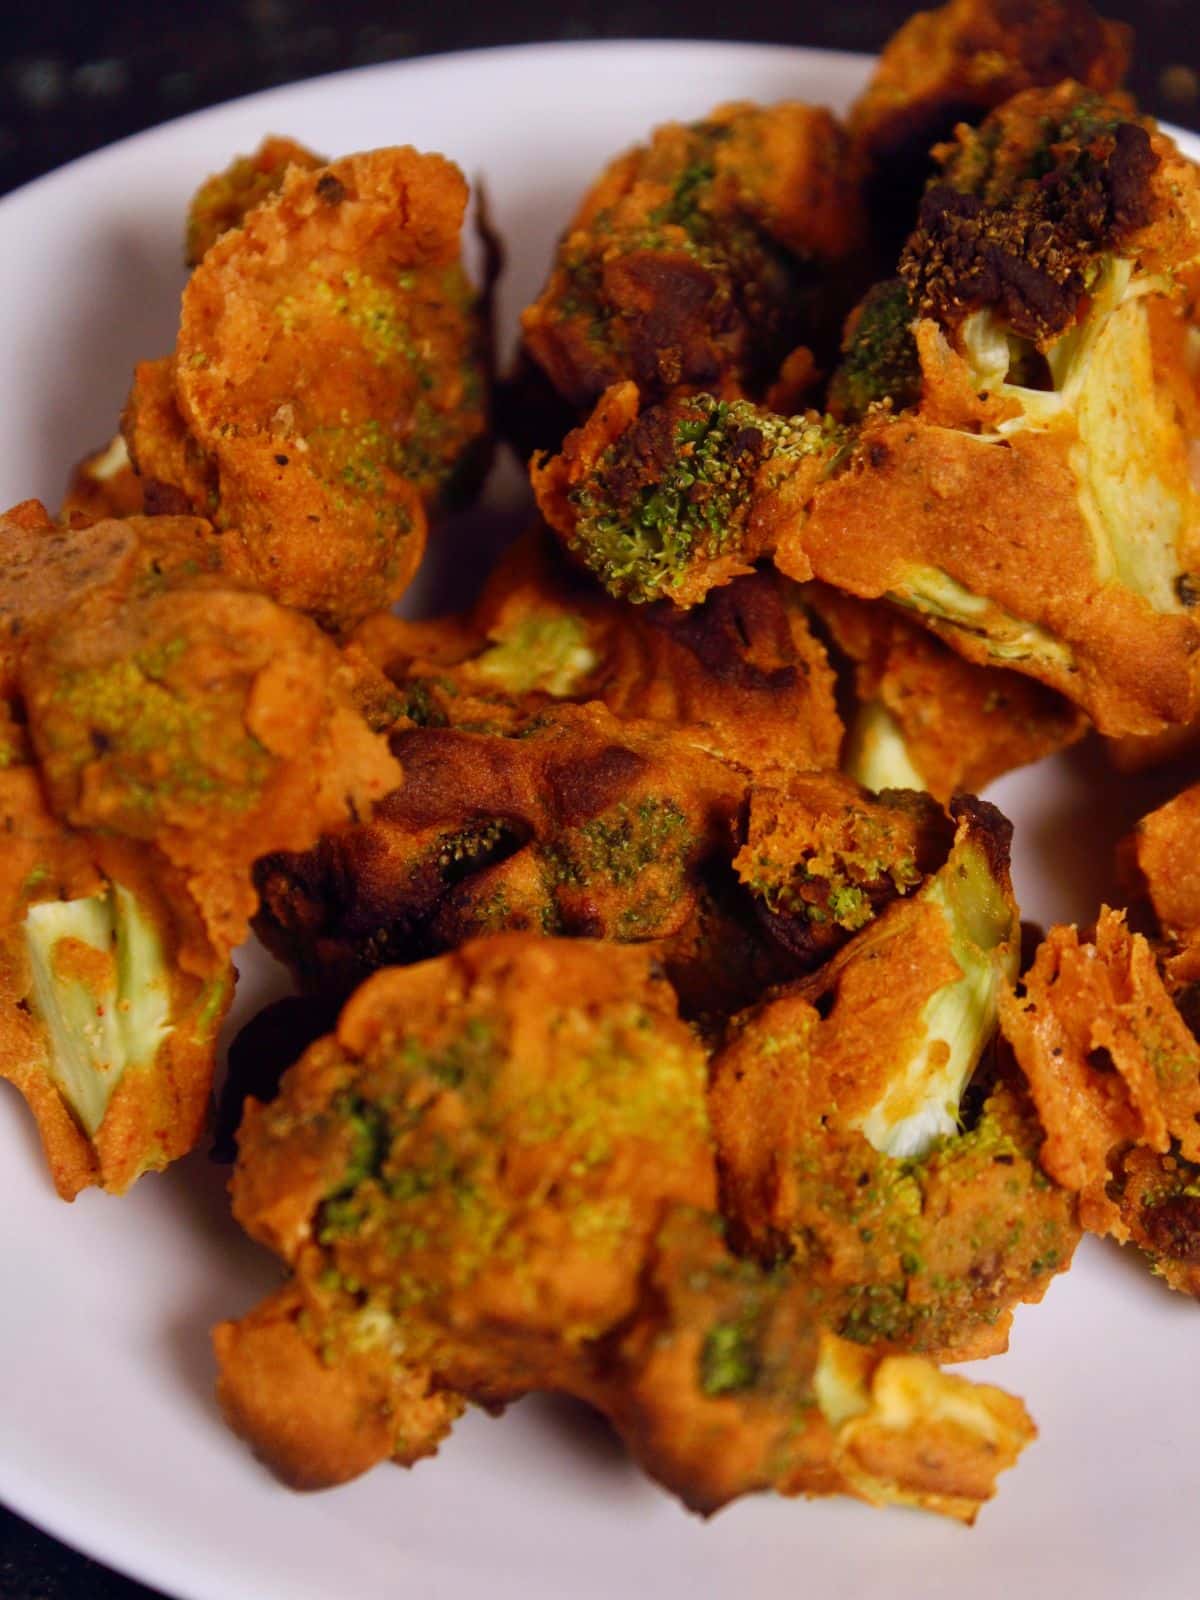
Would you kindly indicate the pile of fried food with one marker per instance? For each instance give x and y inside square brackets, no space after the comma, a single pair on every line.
[661,1035]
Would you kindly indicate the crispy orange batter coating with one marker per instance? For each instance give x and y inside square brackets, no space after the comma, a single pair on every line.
[743,672]
[703,257]
[497,1176]
[579,824]
[959,725]
[1115,1073]
[1159,864]
[328,382]
[954,65]
[165,728]
[103,485]
[222,201]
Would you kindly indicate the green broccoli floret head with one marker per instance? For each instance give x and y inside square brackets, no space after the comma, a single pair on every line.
[674,491]
[879,356]
[1027,208]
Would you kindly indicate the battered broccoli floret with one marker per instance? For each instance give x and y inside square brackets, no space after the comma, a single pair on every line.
[863,1146]
[705,257]
[685,495]
[879,355]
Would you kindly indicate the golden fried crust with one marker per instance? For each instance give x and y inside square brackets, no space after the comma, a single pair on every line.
[222,201]
[1001,518]
[1109,1060]
[318,1423]
[958,62]
[175,472]
[822,858]
[962,725]
[103,485]
[157,1110]
[209,722]
[328,381]
[700,257]
[1159,863]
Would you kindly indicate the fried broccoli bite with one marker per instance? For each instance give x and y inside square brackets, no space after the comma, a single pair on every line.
[1114,1071]
[222,201]
[1038,504]
[854,1144]
[327,393]
[926,719]
[956,64]
[729,1382]
[576,824]
[497,1176]
[743,671]
[669,501]
[164,728]
[703,257]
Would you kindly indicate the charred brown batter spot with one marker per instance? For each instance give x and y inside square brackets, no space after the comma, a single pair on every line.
[584,788]
[164,499]
[732,622]
[331,189]
[1173,1228]
[1027,251]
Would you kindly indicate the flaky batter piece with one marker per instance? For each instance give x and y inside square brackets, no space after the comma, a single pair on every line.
[103,485]
[704,257]
[956,64]
[222,201]
[927,719]
[579,824]
[497,1176]
[743,672]
[546,1108]
[730,1382]
[328,385]
[1115,1073]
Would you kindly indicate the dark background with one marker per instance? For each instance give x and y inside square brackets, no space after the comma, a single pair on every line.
[74,77]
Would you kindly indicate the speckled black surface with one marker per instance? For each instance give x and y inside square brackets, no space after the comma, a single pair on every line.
[74,77]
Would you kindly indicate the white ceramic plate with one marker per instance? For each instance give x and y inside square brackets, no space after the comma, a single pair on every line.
[109,1436]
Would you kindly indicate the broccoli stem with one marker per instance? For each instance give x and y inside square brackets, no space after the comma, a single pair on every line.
[920,1104]
[876,755]
[101,989]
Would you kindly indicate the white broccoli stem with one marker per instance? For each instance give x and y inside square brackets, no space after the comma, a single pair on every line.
[921,1103]
[876,755]
[101,989]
